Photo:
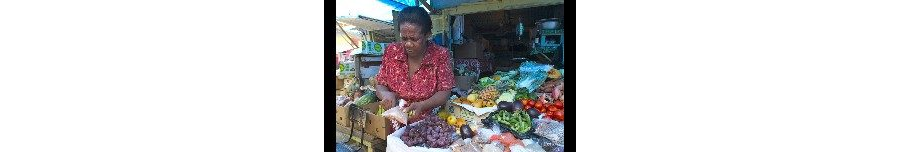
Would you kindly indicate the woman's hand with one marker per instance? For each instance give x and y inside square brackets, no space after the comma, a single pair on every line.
[418,109]
[388,100]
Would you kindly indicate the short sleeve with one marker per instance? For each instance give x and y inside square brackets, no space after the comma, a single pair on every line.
[445,79]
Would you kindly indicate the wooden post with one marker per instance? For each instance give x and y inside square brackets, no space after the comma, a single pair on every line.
[396,16]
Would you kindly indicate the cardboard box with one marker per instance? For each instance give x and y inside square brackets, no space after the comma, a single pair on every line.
[339,84]
[373,48]
[343,115]
[376,125]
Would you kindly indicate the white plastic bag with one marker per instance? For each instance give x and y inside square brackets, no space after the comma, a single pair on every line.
[484,134]
[396,114]
[518,148]
[395,144]
[493,147]
[465,145]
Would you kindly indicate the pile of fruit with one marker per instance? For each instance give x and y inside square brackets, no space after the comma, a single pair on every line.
[432,131]
[455,121]
[484,98]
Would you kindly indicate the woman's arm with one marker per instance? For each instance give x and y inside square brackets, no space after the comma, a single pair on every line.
[388,98]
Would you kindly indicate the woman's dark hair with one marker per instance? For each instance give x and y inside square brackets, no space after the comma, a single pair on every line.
[415,15]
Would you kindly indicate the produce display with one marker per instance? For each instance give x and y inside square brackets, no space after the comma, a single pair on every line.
[432,131]
[529,101]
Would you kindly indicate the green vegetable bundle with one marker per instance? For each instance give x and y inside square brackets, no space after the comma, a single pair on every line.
[485,82]
[522,93]
[517,121]
[367,98]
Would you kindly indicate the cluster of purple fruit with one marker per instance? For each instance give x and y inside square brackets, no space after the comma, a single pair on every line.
[432,131]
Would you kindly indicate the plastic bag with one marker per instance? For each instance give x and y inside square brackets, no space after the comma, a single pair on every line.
[507,139]
[484,135]
[557,149]
[532,75]
[395,144]
[518,148]
[534,147]
[341,100]
[466,145]
[552,130]
[544,143]
[396,114]
[493,147]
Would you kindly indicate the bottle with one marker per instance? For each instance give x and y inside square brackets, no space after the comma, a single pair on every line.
[520,29]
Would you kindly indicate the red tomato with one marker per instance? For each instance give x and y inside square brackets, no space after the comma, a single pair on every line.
[559,115]
[559,104]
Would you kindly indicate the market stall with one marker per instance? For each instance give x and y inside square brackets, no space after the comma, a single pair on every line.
[517,110]
[509,94]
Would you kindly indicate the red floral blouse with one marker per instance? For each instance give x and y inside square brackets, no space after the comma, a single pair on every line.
[433,75]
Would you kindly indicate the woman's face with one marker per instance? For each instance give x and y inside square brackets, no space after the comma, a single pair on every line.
[412,38]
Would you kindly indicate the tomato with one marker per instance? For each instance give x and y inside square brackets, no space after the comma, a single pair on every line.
[558,104]
[559,115]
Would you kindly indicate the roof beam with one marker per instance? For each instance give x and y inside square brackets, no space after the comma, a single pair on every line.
[477,7]
[428,6]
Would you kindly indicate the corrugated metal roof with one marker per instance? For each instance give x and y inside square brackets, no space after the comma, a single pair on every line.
[366,23]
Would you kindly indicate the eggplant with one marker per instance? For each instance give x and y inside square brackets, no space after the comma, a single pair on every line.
[534,113]
[503,105]
[466,132]
[517,105]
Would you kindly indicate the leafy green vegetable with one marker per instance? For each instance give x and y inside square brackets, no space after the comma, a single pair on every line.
[522,93]
[367,98]
[485,82]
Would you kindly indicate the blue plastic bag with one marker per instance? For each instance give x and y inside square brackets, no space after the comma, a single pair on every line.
[532,75]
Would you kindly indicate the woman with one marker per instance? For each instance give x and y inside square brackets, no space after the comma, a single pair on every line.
[415,69]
